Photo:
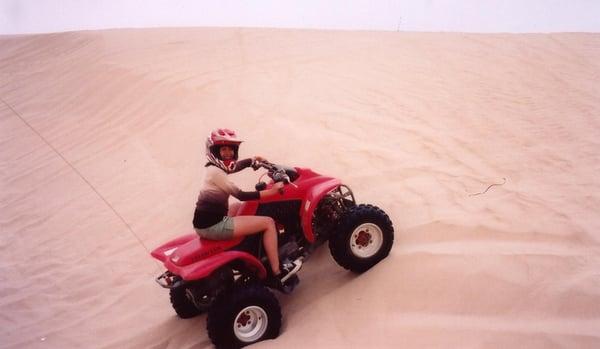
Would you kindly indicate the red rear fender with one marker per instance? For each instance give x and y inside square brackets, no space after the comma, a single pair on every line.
[191,248]
[198,248]
[205,267]
[165,250]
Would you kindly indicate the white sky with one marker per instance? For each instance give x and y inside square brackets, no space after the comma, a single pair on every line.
[35,16]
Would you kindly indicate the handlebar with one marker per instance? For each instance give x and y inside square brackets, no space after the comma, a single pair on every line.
[257,164]
[275,172]
[278,176]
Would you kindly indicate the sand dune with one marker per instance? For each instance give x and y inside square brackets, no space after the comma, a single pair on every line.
[483,149]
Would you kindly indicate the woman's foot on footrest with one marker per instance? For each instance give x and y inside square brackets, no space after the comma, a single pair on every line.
[287,273]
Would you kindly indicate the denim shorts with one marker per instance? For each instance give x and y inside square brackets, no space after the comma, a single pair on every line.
[220,231]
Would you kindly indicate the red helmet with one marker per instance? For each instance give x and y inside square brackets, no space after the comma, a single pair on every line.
[214,141]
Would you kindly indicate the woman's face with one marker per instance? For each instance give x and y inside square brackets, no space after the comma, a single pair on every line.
[226,152]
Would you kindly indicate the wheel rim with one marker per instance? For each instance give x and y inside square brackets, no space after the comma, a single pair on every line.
[250,324]
[366,240]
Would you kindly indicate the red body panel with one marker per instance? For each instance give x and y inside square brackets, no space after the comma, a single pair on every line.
[193,258]
[163,251]
[309,188]
[205,267]
[198,248]
[310,203]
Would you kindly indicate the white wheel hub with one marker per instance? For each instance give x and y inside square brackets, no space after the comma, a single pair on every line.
[250,324]
[366,240]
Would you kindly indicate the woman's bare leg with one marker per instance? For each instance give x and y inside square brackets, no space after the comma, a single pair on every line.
[249,225]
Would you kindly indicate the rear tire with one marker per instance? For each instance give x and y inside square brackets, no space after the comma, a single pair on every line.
[242,316]
[364,237]
[183,306]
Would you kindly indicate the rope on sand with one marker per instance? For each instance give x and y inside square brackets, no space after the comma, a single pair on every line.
[488,188]
[78,173]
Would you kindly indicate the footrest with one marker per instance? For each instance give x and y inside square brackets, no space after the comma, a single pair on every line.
[297,266]
[290,284]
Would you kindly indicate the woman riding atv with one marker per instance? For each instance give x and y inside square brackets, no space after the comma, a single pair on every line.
[210,217]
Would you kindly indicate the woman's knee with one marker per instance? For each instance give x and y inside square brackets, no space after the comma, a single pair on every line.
[252,225]
[269,222]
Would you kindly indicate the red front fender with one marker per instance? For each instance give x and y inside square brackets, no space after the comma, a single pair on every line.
[205,267]
[310,203]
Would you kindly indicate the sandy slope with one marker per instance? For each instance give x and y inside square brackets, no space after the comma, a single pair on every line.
[101,138]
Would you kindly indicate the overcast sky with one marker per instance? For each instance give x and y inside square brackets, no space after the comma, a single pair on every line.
[36,16]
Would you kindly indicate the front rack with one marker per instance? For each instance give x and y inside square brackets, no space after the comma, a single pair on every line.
[342,192]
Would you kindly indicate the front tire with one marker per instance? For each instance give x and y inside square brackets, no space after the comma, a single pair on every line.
[242,316]
[363,238]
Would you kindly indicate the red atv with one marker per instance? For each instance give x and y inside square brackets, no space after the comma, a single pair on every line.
[229,278]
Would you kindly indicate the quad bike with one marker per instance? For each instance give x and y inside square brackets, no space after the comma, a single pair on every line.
[229,278]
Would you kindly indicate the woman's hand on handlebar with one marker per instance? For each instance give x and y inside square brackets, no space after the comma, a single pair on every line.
[260,158]
[258,162]
[276,188]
